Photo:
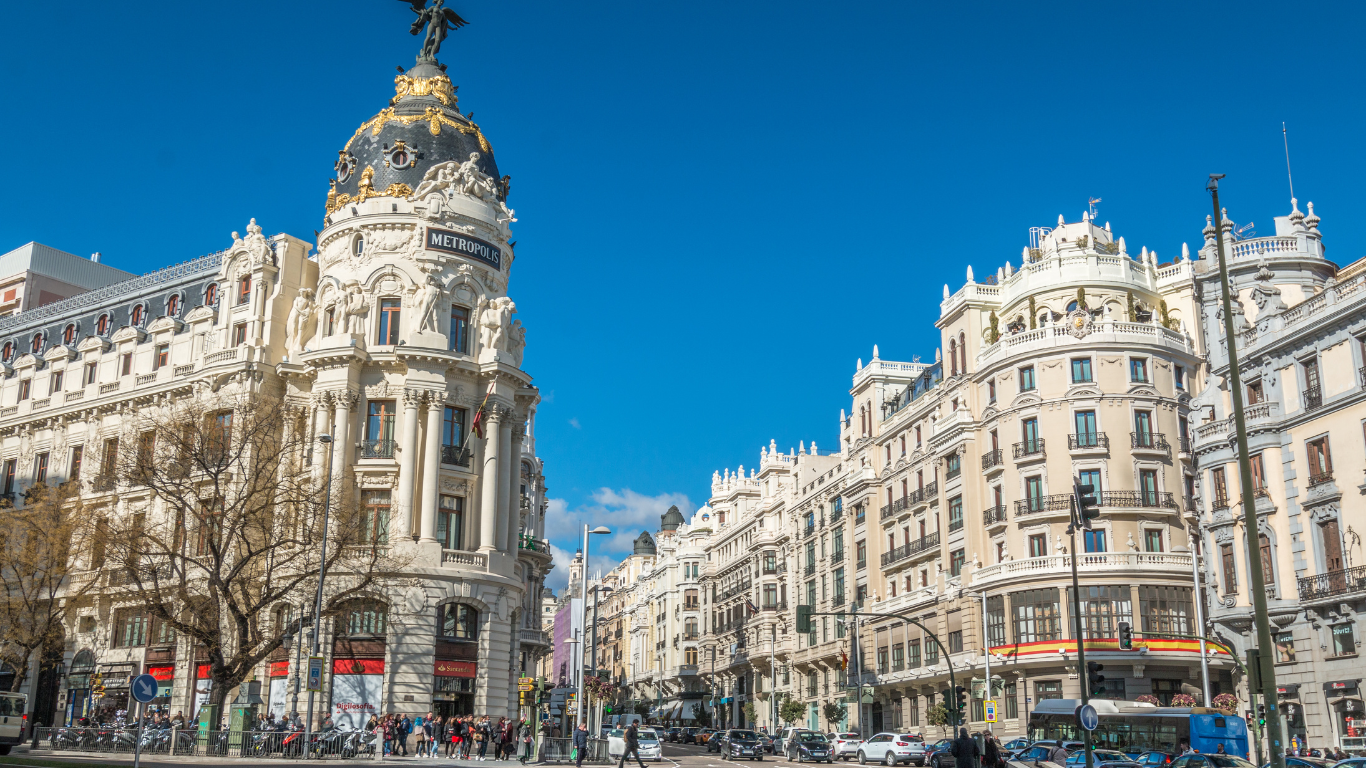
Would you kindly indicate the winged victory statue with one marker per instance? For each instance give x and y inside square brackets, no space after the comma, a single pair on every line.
[438,20]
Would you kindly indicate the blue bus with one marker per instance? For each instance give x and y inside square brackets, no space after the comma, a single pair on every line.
[1134,727]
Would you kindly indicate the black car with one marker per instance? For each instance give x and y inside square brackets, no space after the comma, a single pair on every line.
[809,745]
[937,754]
[673,734]
[688,736]
[737,743]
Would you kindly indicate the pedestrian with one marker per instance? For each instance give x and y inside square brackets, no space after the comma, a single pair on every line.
[964,750]
[481,737]
[632,744]
[435,732]
[580,744]
[453,736]
[1058,754]
[991,754]
[496,736]
[420,736]
[405,729]
[524,732]
[1219,750]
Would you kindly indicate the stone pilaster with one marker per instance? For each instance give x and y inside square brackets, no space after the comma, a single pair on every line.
[407,459]
[488,482]
[495,644]
[431,464]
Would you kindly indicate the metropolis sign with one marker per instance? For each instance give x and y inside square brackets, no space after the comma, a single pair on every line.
[463,245]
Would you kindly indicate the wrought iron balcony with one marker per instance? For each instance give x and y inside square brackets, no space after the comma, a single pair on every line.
[1313,398]
[1219,502]
[991,459]
[1150,499]
[1088,440]
[887,511]
[953,472]
[955,525]
[1320,478]
[810,569]
[378,449]
[1184,444]
[1054,503]
[1154,441]
[1029,449]
[994,515]
[1333,583]
[906,550]
[455,456]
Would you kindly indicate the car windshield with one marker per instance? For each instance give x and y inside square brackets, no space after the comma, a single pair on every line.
[848,735]
[617,733]
[645,734]
[809,736]
[1228,761]
[742,735]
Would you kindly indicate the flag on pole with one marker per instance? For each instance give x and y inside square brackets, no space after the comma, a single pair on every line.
[478,424]
[753,609]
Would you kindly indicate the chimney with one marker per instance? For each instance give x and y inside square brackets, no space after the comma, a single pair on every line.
[95,257]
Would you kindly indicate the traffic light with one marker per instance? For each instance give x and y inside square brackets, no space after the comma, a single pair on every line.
[961,700]
[1088,505]
[1126,636]
[804,618]
[1261,714]
[1095,681]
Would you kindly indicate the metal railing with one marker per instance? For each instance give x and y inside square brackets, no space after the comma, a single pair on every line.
[1333,583]
[335,744]
[955,524]
[1054,503]
[953,472]
[1029,448]
[810,569]
[1083,440]
[1184,444]
[1152,440]
[906,550]
[1150,499]
[455,456]
[1313,398]
[377,449]
[994,515]
[552,750]
[991,459]
[1320,478]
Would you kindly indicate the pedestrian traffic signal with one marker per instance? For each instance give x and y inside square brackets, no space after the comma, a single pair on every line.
[1088,505]
[804,618]
[961,702]
[1126,636]
[1095,681]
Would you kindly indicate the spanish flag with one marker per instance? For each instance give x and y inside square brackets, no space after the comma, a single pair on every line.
[478,424]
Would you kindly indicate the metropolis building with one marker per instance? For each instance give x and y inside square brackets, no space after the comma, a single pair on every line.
[388,335]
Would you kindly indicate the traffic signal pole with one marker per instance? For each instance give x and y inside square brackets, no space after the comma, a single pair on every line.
[1079,512]
[1256,583]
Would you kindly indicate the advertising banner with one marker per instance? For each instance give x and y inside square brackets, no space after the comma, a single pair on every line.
[202,687]
[279,693]
[357,685]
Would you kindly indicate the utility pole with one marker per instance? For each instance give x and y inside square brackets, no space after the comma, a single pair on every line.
[1257,584]
[1082,510]
[1194,533]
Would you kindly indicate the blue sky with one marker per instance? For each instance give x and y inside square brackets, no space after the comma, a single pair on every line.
[722,205]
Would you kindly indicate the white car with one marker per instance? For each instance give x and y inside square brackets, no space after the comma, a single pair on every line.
[844,745]
[892,748]
[649,744]
[12,720]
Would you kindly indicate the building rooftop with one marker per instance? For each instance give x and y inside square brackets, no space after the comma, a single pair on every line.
[59,265]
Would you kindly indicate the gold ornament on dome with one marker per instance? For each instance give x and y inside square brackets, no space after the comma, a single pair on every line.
[435,119]
[364,191]
[440,87]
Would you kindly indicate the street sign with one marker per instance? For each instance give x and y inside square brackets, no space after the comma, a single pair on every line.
[1087,717]
[989,707]
[315,673]
[867,697]
[524,686]
[526,681]
[144,688]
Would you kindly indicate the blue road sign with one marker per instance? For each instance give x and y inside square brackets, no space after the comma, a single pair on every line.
[1087,717]
[144,688]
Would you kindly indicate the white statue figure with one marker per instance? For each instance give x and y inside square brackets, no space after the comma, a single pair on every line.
[494,321]
[517,342]
[255,244]
[439,177]
[425,303]
[356,309]
[338,307]
[297,322]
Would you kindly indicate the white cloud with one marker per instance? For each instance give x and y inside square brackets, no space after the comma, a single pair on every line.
[561,558]
[625,511]
[574,422]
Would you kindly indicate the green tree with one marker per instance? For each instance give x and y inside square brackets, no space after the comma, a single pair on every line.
[751,713]
[791,710]
[834,713]
[938,715]
[701,714]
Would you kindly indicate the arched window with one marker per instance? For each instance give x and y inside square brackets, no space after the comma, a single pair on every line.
[963,350]
[8,351]
[365,617]
[37,345]
[69,335]
[458,622]
[102,325]
[211,295]
[953,357]
[139,314]
[173,306]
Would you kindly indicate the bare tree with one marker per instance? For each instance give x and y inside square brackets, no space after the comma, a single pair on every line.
[37,588]
[230,527]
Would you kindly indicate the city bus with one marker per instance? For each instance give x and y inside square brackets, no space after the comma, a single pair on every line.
[1133,727]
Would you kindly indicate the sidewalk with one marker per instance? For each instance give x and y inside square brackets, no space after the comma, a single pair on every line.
[46,758]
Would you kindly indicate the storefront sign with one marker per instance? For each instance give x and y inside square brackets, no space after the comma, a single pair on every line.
[202,687]
[456,669]
[162,674]
[357,685]
[279,669]
[460,244]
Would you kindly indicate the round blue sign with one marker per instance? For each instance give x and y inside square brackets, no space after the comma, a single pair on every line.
[1087,717]
[144,688]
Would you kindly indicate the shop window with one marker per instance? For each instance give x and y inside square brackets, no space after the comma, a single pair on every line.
[365,617]
[1344,640]
[1285,648]
[459,622]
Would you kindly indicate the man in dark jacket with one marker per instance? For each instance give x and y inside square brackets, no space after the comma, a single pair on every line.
[991,752]
[580,744]
[632,745]
[964,750]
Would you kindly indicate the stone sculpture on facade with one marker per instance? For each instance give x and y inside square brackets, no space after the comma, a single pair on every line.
[494,321]
[424,300]
[516,342]
[296,325]
[356,308]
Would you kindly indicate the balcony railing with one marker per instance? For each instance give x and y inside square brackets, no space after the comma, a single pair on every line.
[991,459]
[534,544]
[1313,398]
[1184,444]
[1333,583]
[955,524]
[994,515]
[810,531]
[1085,440]
[1056,502]
[1320,478]
[378,449]
[1219,502]
[887,511]
[1155,441]
[953,472]
[906,550]
[810,569]
[1029,449]
[455,456]
[1150,499]
[836,514]
[770,568]
[928,493]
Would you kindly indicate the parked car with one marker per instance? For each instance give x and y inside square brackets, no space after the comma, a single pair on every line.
[1100,756]
[783,737]
[766,742]
[1351,762]
[1215,760]
[937,754]
[844,745]
[650,748]
[1016,744]
[737,743]
[892,748]
[1154,758]
[808,745]
[1040,750]
[13,707]
[689,736]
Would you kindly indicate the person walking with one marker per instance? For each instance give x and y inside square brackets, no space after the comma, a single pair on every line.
[964,750]
[420,726]
[524,734]
[405,729]
[481,736]
[632,744]
[580,744]
[1057,754]
[991,753]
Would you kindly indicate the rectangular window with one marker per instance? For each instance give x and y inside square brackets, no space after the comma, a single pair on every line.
[1094,540]
[996,620]
[1285,648]
[1081,370]
[1152,540]
[1147,486]
[239,337]
[10,467]
[861,553]
[1219,483]
[1344,640]
[1026,378]
[1012,704]
[955,513]
[244,290]
[1165,609]
[991,391]
[379,429]
[1255,394]
[1038,545]
[453,427]
[898,657]
[55,385]
[1258,474]
[130,628]
[76,455]
[1143,429]
[40,468]
[954,466]
[1230,563]
[1036,615]
[1029,432]
[1102,608]
[1138,369]
[1268,565]
[931,652]
[460,330]
[163,357]
[956,641]
[957,559]
[374,520]
[913,654]
[1320,461]
[91,372]
[24,386]
[1087,434]
[1090,477]
[1034,493]
[1047,689]
[389,310]
[450,521]
[111,457]
[1178,377]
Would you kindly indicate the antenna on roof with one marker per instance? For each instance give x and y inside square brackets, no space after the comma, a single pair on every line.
[1286,140]
[1091,203]
[1245,231]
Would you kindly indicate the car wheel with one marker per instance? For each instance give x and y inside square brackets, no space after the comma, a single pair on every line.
[890,757]
[862,758]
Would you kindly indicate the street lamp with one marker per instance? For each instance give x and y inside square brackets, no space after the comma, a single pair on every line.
[593,646]
[583,608]
[326,440]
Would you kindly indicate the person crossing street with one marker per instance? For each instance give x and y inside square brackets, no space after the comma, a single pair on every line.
[632,744]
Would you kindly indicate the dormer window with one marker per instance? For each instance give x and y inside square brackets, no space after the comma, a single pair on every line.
[244,290]
[139,314]
[8,351]
[69,334]
[211,295]
[102,325]
[37,345]
[173,306]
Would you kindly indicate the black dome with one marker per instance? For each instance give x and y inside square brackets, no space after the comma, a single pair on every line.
[420,128]
[669,521]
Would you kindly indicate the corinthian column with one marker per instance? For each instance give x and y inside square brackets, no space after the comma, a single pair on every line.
[505,465]
[407,460]
[342,403]
[488,482]
[431,464]
[322,405]
[514,475]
